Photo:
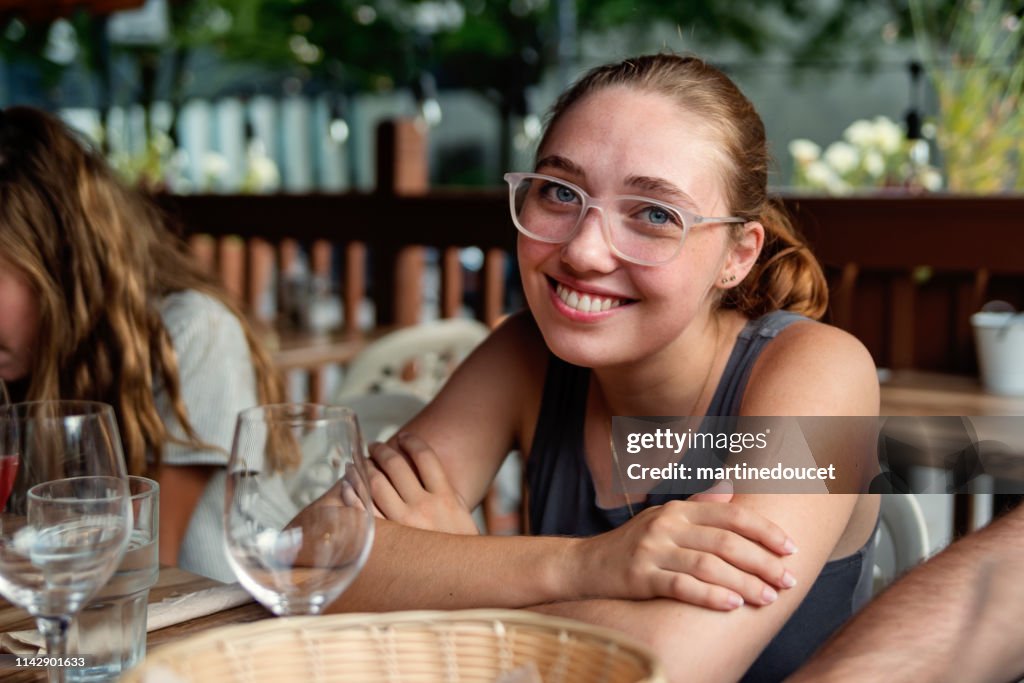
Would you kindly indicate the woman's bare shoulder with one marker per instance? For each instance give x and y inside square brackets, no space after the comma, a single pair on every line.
[813,369]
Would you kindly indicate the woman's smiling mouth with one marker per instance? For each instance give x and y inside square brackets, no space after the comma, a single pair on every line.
[587,303]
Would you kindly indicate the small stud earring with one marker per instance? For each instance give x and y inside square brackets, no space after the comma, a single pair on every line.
[727,280]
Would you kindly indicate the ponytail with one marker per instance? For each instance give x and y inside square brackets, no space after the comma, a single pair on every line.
[786,276]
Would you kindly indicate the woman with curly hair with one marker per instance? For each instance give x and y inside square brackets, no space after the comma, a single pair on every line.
[99,301]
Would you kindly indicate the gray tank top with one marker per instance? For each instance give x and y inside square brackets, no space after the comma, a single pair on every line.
[562,500]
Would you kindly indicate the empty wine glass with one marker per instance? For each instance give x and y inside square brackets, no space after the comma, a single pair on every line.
[66,511]
[296,559]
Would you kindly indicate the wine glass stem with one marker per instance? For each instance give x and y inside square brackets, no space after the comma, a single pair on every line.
[55,632]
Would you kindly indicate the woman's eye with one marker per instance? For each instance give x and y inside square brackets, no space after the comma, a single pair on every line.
[564,194]
[557,192]
[657,215]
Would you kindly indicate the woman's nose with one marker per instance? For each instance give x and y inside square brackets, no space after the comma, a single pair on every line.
[588,249]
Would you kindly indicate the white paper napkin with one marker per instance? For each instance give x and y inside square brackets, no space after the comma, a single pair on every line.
[160,615]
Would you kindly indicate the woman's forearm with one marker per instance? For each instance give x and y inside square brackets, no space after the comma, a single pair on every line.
[415,569]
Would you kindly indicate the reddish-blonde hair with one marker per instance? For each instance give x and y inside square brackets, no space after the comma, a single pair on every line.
[786,275]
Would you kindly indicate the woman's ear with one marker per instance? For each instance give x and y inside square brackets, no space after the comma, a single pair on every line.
[742,255]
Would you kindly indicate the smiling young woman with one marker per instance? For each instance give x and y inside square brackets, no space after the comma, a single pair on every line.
[661,280]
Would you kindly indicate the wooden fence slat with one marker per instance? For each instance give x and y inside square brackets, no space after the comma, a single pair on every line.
[353,289]
[901,322]
[493,293]
[451,283]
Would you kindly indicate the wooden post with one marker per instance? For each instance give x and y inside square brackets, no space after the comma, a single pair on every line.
[451,283]
[970,297]
[204,248]
[493,276]
[231,260]
[402,169]
[354,287]
[259,273]
[843,296]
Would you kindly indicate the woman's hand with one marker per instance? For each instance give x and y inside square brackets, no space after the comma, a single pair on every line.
[703,551]
[409,486]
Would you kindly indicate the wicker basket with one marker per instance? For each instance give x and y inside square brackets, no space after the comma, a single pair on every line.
[402,647]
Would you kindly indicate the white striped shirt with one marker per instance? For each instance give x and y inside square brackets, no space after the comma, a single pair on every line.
[217,381]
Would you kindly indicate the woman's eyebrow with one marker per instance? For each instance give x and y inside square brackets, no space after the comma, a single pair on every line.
[561,163]
[663,188]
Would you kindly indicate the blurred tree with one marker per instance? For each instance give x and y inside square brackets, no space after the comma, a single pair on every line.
[500,48]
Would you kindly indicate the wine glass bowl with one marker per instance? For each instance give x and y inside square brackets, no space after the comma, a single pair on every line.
[74,538]
[293,557]
[66,510]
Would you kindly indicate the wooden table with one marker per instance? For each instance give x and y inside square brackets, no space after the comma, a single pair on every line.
[912,392]
[310,352]
[171,582]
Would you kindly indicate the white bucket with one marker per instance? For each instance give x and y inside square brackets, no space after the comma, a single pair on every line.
[999,338]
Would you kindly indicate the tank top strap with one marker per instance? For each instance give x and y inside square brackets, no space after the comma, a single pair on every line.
[750,342]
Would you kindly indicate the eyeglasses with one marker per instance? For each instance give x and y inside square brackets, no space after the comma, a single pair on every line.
[641,230]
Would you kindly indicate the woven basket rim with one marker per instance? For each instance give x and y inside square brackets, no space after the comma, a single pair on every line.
[359,620]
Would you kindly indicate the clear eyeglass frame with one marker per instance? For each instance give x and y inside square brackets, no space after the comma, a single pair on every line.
[687,218]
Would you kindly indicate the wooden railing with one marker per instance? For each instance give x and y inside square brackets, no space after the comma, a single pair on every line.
[905,272]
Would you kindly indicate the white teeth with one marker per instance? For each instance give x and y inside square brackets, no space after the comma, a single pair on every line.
[585,303]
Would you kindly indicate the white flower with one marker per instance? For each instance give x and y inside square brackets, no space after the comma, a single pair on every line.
[842,157]
[931,180]
[874,163]
[262,174]
[819,174]
[860,133]
[215,167]
[888,135]
[804,151]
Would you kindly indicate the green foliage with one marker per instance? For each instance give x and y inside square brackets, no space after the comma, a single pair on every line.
[977,69]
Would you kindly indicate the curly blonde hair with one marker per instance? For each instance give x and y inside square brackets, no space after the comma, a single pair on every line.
[786,275]
[100,259]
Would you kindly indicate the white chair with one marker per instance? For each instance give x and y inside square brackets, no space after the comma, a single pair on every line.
[415,360]
[902,538]
[380,416]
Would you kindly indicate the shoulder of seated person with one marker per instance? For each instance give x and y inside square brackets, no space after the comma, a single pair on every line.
[188,308]
[813,369]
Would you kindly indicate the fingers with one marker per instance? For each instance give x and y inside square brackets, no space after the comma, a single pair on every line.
[351,499]
[383,493]
[690,589]
[428,465]
[721,545]
[398,470]
[724,559]
[740,520]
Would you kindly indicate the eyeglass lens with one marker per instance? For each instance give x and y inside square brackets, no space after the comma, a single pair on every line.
[641,229]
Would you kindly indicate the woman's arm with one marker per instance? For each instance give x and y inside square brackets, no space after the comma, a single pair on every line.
[697,644]
[472,424]
[181,487]
[810,370]
[216,380]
